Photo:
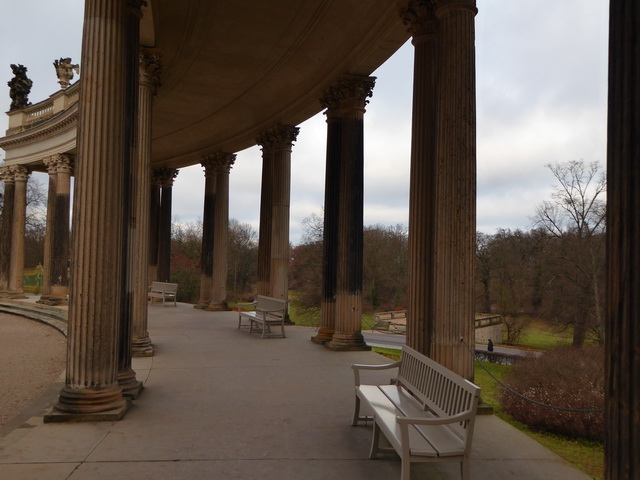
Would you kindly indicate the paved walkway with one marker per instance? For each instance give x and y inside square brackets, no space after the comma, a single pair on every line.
[220,403]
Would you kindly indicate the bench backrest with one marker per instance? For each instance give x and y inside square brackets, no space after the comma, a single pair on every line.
[442,391]
[271,303]
[164,287]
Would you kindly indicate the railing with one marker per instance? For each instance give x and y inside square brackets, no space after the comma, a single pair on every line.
[28,117]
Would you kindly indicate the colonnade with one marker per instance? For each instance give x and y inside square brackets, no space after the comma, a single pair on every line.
[442,213]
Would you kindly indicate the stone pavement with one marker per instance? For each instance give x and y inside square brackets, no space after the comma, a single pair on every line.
[220,403]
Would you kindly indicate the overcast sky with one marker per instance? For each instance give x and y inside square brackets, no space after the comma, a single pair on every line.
[541,98]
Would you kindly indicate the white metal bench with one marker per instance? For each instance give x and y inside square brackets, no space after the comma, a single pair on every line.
[427,413]
[163,291]
[267,312]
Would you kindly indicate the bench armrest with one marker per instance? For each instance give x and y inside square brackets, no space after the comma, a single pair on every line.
[460,417]
[246,305]
[357,367]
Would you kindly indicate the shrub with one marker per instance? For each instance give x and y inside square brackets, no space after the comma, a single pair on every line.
[566,377]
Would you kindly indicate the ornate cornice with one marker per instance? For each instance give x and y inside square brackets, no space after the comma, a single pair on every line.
[350,91]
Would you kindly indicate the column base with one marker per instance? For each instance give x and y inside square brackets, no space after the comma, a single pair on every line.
[347,342]
[129,384]
[90,402]
[52,300]
[54,416]
[323,336]
[218,307]
[201,305]
[142,347]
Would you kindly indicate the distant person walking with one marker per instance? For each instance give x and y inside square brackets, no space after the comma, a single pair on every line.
[490,346]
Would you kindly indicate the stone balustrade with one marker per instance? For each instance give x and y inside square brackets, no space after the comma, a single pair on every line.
[26,118]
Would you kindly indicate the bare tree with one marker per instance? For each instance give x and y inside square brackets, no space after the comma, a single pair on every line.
[574,219]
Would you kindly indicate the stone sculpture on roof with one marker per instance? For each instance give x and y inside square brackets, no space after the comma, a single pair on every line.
[64,71]
[19,87]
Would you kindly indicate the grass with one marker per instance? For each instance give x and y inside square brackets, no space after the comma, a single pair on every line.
[543,336]
[585,455]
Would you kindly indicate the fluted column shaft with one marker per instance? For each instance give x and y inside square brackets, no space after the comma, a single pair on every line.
[61,236]
[16,262]
[266,212]
[330,225]
[276,144]
[443,177]
[52,170]
[208,236]
[7,226]
[354,91]
[154,224]
[164,228]
[92,361]
[223,162]
[622,391]
[149,74]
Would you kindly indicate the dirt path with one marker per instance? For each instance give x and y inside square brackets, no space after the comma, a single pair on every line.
[32,357]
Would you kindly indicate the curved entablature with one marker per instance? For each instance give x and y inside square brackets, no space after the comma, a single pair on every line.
[41,130]
[230,71]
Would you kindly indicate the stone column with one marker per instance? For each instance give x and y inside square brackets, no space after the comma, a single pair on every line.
[167,176]
[276,145]
[16,261]
[60,252]
[92,391]
[7,226]
[52,169]
[206,260]
[149,80]
[331,102]
[264,238]
[354,92]
[622,345]
[154,224]
[127,380]
[442,205]
[222,164]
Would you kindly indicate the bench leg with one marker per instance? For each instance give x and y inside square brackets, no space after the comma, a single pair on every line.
[375,441]
[464,469]
[356,413]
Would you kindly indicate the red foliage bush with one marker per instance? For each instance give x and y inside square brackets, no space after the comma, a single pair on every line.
[569,378]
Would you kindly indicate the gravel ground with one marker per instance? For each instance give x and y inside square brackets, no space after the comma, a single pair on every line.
[32,357]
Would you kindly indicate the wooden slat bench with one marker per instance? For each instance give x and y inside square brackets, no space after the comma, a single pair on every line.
[164,291]
[427,413]
[267,312]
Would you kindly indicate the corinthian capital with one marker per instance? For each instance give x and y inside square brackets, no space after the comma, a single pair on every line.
[281,136]
[351,91]
[20,173]
[219,162]
[420,17]
[150,64]
[164,177]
